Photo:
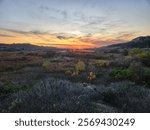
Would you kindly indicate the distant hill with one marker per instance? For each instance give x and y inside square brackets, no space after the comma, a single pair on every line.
[139,42]
[24,47]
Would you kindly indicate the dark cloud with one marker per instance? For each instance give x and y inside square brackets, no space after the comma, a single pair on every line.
[38,32]
[14,31]
[25,32]
[61,37]
[64,36]
[4,35]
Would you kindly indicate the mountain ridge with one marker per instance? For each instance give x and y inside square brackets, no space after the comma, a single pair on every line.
[24,47]
[139,42]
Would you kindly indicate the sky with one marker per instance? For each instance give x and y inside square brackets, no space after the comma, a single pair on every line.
[73,23]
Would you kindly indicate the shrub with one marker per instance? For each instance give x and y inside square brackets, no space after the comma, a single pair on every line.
[51,95]
[135,72]
[127,96]
[9,88]
[136,51]
[143,55]
[145,58]
[47,65]
[80,66]
[121,73]
[102,63]
[141,74]
[146,76]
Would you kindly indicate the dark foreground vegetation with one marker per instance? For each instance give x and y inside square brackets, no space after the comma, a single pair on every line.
[111,80]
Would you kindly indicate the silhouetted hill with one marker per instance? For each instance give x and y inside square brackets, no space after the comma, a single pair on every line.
[139,42]
[24,47]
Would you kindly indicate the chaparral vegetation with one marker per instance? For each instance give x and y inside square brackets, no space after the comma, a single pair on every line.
[105,80]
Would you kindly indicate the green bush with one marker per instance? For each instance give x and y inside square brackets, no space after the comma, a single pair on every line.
[143,55]
[146,76]
[145,58]
[102,63]
[47,65]
[9,88]
[80,66]
[135,72]
[135,51]
[121,73]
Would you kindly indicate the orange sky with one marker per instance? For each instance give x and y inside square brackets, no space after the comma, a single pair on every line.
[73,41]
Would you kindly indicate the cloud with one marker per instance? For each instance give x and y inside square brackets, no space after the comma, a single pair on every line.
[61,37]
[102,25]
[4,35]
[97,41]
[44,7]
[85,3]
[43,38]
[63,13]
[121,37]
[14,31]
[38,32]
[97,24]
[24,32]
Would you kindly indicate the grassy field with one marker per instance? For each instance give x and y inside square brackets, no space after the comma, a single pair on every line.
[101,81]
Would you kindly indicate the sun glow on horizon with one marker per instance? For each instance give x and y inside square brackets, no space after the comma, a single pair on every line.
[62,41]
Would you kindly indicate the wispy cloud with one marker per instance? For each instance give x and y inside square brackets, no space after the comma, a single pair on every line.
[61,37]
[38,34]
[85,3]
[14,31]
[63,13]
[4,35]
[108,40]
[24,32]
